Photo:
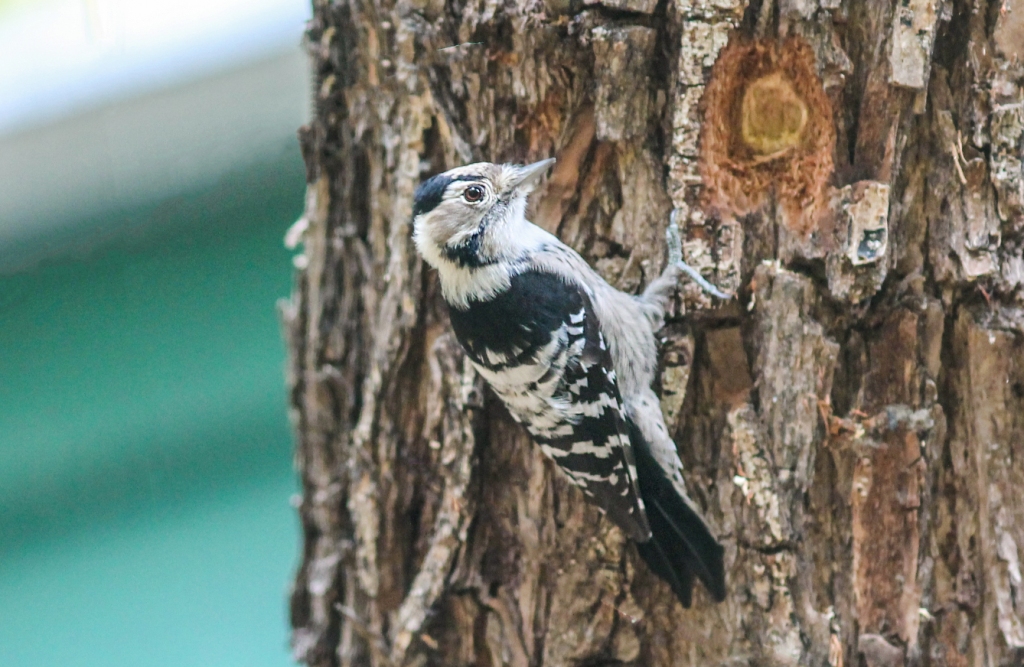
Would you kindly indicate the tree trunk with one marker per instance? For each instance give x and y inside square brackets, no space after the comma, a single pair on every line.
[852,423]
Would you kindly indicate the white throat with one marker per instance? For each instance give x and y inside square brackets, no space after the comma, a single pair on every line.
[510,242]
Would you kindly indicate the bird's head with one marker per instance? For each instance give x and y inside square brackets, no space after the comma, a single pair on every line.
[470,216]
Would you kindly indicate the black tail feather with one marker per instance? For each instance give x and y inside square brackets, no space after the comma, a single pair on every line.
[681,546]
[679,578]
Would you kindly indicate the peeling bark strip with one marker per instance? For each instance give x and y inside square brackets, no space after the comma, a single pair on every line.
[852,425]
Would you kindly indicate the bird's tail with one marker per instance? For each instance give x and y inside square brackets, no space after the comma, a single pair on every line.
[681,546]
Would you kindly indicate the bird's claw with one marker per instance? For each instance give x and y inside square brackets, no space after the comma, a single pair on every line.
[675,257]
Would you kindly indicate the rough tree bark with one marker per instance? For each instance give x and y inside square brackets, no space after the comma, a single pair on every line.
[853,423]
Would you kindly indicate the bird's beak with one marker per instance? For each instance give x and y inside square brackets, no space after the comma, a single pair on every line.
[529,174]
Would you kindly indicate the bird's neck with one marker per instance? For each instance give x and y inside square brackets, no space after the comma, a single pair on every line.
[481,266]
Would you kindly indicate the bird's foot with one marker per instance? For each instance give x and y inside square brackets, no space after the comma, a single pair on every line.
[675,258]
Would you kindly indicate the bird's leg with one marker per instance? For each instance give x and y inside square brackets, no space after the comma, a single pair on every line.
[658,294]
[675,258]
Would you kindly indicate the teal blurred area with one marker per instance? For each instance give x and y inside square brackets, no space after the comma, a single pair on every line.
[145,451]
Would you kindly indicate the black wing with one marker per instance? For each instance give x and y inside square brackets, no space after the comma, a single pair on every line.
[540,346]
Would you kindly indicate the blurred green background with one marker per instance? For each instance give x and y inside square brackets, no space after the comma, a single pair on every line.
[145,451]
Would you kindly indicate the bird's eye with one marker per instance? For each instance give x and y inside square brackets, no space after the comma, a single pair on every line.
[473,193]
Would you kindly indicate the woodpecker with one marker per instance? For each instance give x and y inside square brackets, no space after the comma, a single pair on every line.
[571,357]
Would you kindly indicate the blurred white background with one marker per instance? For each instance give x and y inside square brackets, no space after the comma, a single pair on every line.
[111,103]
